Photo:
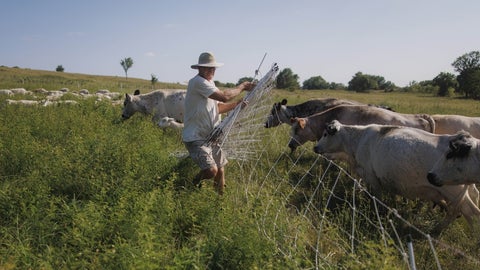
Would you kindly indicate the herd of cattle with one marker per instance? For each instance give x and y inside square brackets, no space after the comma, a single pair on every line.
[418,156]
[42,97]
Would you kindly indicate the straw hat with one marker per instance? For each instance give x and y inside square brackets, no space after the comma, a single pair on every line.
[206,59]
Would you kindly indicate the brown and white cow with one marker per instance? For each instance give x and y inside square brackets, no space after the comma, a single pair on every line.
[460,164]
[159,103]
[311,128]
[281,113]
[451,124]
[395,160]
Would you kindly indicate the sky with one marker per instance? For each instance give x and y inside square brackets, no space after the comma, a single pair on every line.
[402,41]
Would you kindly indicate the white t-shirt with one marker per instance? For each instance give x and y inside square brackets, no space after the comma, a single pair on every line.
[201,112]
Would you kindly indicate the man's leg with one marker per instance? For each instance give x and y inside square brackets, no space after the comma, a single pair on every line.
[205,174]
[219,181]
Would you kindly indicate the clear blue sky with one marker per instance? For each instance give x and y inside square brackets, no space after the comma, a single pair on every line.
[400,40]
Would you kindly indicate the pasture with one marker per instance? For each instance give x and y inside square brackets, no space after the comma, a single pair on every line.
[80,188]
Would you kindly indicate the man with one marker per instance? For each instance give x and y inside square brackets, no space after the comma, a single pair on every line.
[204,105]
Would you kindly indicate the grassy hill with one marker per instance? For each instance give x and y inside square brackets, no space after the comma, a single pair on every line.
[51,80]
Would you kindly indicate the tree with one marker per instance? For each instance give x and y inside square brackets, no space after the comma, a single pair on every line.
[467,61]
[337,86]
[421,87]
[444,81]
[388,86]
[362,83]
[469,83]
[126,64]
[316,82]
[153,80]
[286,79]
[244,79]
[225,85]
[59,68]
[468,65]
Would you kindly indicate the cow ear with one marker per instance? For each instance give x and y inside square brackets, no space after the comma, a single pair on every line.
[137,92]
[128,97]
[284,102]
[302,122]
[332,128]
[464,149]
[452,146]
[459,149]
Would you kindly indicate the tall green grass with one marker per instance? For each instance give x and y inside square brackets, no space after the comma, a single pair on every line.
[82,189]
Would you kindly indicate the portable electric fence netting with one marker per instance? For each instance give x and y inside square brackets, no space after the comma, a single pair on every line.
[237,132]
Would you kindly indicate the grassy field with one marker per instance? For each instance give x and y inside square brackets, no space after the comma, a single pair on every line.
[82,189]
[52,80]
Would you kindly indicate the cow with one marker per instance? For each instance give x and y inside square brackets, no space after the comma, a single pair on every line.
[311,128]
[24,102]
[395,159]
[281,113]
[451,124]
[20,91]
[459,164]
[6,92]
[159,103]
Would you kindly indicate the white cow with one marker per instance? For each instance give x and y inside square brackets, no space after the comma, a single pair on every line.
[58,102]
[396,159]
[460,164]
[20,91]
[6,92]
[311,128]
[24,102]
[451,124]
[159,103]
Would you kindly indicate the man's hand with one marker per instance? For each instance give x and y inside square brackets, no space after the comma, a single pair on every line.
[243,102]
[247,86]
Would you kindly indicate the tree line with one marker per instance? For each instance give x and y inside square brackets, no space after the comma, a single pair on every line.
[467,82]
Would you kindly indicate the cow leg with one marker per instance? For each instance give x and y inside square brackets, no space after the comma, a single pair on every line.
[452,214]
[474,194]
[467,208]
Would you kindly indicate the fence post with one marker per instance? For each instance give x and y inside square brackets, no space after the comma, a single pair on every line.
[411,254]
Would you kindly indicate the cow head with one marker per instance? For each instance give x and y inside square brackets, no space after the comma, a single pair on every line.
[278,114]
[129,106]
[330,141]
[300,133]
[459,165]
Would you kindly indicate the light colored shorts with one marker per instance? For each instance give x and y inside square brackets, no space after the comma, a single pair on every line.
[206,157]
